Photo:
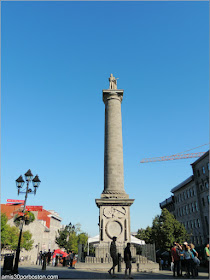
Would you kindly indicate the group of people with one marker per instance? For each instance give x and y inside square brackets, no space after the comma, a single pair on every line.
[46,258]
[185,259]
[115,260]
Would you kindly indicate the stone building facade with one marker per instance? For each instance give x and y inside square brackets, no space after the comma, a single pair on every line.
[190,202]
[44,230]
[201,178]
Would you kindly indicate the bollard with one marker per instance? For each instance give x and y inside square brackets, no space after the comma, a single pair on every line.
[119,262]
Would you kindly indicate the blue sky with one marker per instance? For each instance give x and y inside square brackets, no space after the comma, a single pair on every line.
[56,59]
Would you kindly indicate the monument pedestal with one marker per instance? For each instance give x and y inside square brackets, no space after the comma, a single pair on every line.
[114,220]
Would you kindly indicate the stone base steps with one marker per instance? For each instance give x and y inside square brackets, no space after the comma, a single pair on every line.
[142,267]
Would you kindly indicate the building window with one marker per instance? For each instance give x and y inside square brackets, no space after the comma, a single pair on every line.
[208,199]
[180,211]
[186,209]
[208,165]
[184,195]
[198,173]
[201,187]
[207,222]
[193,191]
[203,201]
[190,210]
[183,210]
[188,194]
[207,185]
[197,240]
[191,224]
[193,208]
[198,222]
[195,224]
[203,170]
[196,206]
[201,240]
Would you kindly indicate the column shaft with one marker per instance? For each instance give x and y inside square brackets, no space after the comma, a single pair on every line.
[113,148]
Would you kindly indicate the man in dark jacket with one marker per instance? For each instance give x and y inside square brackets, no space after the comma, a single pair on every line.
[127,260]
[113,254]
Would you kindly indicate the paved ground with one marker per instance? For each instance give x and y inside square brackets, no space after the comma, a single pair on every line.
[35,272]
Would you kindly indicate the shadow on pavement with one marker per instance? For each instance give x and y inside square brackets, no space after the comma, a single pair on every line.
[66,273]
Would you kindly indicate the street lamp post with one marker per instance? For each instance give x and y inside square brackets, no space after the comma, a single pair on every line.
[20,182]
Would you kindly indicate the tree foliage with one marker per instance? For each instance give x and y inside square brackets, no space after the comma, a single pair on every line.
[26,240]
[10,236]
[164,231]
[145,234]
[69,238]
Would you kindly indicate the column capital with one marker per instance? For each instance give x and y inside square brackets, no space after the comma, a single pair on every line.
[112,94]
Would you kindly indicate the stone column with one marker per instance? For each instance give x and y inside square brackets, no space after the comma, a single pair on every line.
[114,204]
[113,146]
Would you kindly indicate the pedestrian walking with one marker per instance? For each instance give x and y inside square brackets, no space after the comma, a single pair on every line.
[127,260]
[113,254]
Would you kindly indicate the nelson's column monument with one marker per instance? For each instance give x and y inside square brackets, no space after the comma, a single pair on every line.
[114,204]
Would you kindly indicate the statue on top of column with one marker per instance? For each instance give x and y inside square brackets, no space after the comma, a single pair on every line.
[112,82]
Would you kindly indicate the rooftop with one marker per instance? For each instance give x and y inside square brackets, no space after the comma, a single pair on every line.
[200,158]
[181,185]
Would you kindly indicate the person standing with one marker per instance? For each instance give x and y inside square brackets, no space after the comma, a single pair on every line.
[113,253]
[40,258]
[207,255]
[188,259]
[71,258]
[175,258]
[44,261]
[48,257]
[56,260]
[182,260]
[196,261]
[127,260]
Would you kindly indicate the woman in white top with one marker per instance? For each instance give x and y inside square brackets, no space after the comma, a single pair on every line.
[188,259]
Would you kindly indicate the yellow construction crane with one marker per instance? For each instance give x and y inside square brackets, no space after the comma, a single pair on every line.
[175,156]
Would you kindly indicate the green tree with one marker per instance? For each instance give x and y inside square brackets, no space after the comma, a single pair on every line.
[72,243]
[10,236]
[164,231]
[26,241]
[145,234]
[82,238]
[69,237]
[61,239]
[4,229]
